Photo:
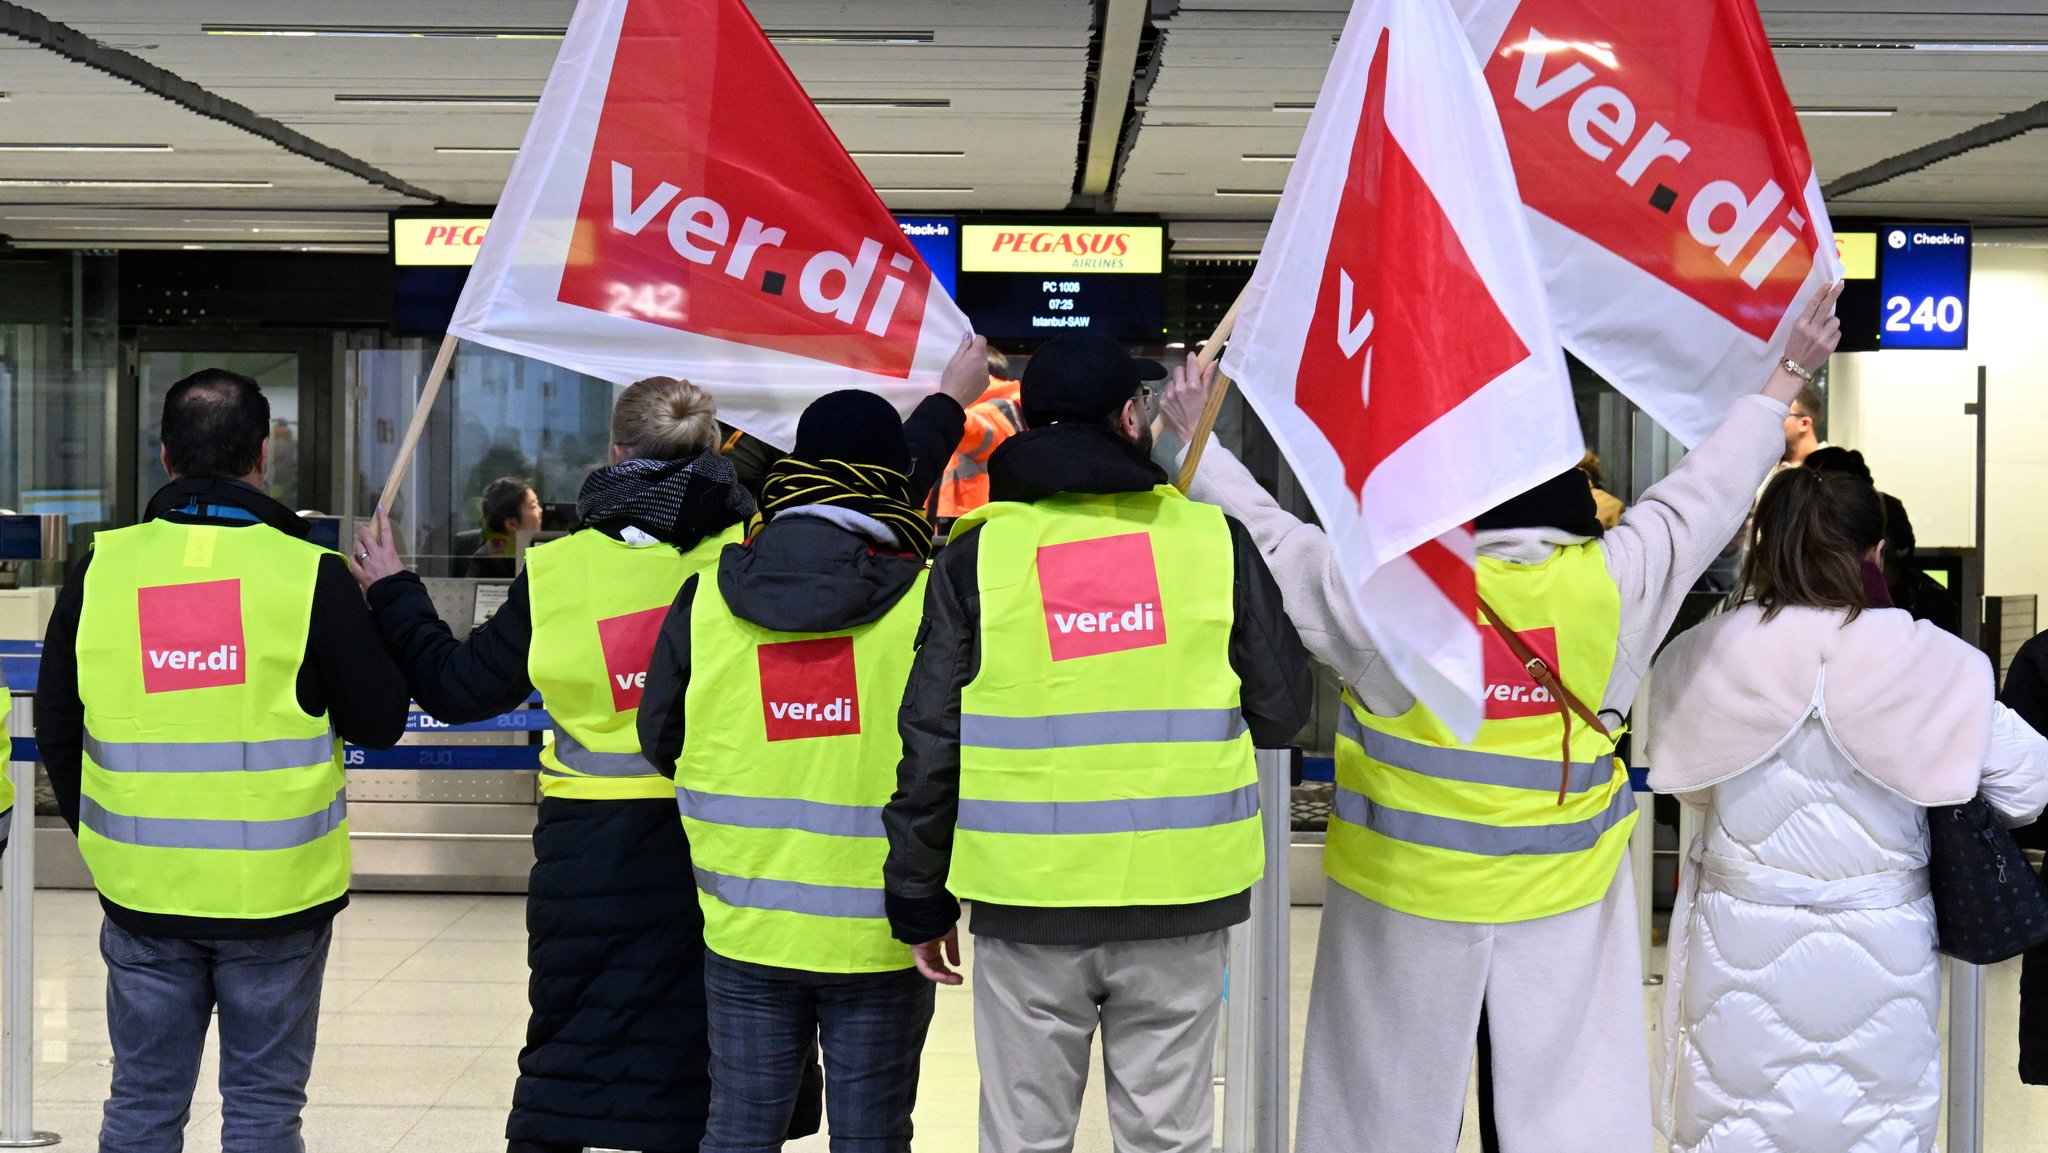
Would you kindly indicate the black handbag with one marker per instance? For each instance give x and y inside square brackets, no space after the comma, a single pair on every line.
[1988,904]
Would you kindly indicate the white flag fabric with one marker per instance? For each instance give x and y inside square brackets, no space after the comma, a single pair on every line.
[1396,341]
[1668,188]
[679,208]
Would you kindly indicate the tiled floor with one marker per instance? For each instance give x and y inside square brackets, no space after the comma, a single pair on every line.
[426,1003]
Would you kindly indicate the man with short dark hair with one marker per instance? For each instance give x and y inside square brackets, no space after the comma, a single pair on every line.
[1098,657]
[198,671]
[1804,426]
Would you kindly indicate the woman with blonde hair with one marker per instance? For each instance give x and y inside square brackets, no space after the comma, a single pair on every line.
[1814,727]
[614,1053]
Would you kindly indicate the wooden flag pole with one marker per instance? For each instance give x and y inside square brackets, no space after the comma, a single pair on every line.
[419,423]
[1217,390]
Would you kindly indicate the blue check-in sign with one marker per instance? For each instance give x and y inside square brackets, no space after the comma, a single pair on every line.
[1924,285]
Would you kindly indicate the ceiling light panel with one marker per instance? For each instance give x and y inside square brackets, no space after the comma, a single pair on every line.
[846,36]
[85,148]
[11,182]
[443,100]
[382,31]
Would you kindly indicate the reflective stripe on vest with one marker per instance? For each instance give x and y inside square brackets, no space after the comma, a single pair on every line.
[1434,827]
[791,756]
[1469,765]
[781,813]
[197,833]
[793,896]
[209,756]
[1125,598]
[206,790]
[1087,730]
[1148,814]
[571,753]
[1478,837]
[595,602]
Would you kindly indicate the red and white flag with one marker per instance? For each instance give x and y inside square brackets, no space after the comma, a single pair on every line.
[1396,341]
[1668,188]
[680,208]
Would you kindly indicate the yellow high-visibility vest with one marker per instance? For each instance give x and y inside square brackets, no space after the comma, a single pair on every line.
[1103,757]
[597,605]
[1455,832]
[6,762]
[789,754]
[207,791]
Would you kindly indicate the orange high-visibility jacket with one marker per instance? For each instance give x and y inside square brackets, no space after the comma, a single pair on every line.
[993,419]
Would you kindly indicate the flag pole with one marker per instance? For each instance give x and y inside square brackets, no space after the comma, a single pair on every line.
[1217,389]
[420,413]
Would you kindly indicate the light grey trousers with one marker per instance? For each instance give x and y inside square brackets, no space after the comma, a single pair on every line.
[1394,1012]
[1036,1009]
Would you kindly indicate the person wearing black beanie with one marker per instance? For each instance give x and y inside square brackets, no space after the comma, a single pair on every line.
[1089,634]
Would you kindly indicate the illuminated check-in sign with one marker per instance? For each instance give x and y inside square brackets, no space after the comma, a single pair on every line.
[1924,286]
[417,240]
[1058,248]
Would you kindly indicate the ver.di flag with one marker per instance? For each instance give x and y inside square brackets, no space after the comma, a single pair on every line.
[680,208]
[1396,341]
[1668,188]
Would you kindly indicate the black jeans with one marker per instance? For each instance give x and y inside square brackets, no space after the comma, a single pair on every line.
[764,1023]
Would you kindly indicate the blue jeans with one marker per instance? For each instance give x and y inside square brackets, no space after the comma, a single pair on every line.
[161,996]
[764,1024]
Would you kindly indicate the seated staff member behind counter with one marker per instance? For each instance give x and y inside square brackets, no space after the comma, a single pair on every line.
[615,1047]
[208,794]
[777,679]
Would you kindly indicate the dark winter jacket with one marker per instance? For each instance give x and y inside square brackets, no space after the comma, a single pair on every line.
[1265,653]
[345,675]
[2026,693]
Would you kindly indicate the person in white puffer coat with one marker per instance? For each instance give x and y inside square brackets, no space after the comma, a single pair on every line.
[1815,727]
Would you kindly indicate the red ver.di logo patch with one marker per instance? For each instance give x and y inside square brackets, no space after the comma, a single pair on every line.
[1510,691]
[809,689]
[1101,596]
[191,636]
[628,643]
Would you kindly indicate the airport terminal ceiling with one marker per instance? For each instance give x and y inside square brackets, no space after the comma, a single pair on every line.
[298,127]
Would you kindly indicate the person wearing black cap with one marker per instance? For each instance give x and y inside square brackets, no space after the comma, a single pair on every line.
[771,701]
[1470,877]
[1098,657]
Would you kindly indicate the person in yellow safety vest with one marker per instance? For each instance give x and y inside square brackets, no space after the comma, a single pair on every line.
[993,419]
[199,673]
[615,939]
[1463,880]
[1099,656]
[772,701]
[6,780]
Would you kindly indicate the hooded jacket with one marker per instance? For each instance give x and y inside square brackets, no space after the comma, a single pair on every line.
[1265,653]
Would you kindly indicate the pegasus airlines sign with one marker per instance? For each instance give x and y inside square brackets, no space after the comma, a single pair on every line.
[680,208]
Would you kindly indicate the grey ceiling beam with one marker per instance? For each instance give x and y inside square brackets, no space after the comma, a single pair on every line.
[70,43]
[1123,22]
[1928,155]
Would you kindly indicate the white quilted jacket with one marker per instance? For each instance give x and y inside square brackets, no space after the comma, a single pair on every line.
[1806,985]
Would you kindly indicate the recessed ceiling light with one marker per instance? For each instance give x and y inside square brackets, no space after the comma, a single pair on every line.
[1294,106]
[474,150]
[1269,158]
[1249,193]
[392,31]
[928,191]
[1908,46]
[828,36]
[473,101]
[85,148]
[9,182]
[904,154]
[880,102]
[1845,111]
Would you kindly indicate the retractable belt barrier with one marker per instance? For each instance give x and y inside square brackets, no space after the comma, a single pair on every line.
[18,968]
[1254,1066]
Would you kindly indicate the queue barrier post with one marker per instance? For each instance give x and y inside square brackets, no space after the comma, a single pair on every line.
[1965,1057]
[1256,1081]
[18,973]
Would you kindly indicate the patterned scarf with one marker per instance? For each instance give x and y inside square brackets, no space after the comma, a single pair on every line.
[674,500]
[868,489]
